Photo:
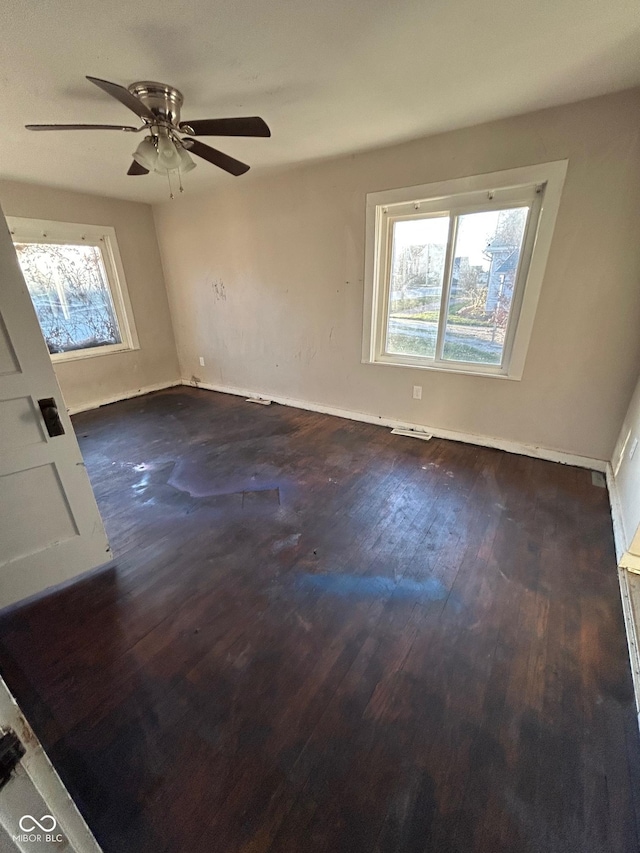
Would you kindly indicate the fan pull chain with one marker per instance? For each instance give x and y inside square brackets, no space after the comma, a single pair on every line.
[171,195]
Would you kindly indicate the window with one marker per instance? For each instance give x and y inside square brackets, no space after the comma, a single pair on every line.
[76,283]
[454,270]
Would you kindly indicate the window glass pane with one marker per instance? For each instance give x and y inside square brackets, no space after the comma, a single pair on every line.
[484,270]
[70,292]
[415,289]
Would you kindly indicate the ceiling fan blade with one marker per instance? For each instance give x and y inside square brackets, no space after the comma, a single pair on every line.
[218,158]
[124,96]
[244,126]
[81,127]
[136,169]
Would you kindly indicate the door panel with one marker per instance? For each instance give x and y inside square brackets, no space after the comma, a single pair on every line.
[50,527]
[34,492]
[8,360]
[20,425]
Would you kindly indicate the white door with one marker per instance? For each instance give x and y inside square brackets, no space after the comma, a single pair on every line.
[36,812]
[50,527]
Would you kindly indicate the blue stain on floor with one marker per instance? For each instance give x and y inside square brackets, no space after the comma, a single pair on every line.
[361,586]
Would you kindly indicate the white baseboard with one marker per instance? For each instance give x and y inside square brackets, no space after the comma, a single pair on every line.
[365,417]
[138,392]
[619,533]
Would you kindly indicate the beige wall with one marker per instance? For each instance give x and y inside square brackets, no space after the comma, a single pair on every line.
[85,382]
[265,281]
[627,475]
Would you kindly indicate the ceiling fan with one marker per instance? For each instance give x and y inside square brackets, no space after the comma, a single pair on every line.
[169,141]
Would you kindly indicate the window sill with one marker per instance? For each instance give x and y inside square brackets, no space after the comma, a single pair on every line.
[93,352]
[484,371]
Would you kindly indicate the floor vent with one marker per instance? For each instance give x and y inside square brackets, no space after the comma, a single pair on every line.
[412,433]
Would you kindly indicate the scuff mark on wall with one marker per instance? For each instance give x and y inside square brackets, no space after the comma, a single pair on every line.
[219,290]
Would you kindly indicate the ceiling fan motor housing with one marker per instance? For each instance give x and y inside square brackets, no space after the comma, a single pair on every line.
[163,101]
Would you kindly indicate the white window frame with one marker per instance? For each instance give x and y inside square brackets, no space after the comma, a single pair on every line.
[104,237]
[540,186]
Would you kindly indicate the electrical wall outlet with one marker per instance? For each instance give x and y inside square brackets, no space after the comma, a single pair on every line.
[201,361]
[417,392]
[633,447]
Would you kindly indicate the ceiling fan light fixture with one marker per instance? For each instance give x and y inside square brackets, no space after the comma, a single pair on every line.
[186,163]
[168,155]
[146,154]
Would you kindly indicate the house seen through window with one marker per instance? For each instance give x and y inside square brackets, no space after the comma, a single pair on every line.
[74,287]
[485,261]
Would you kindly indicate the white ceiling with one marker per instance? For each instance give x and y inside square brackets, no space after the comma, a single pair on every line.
[329,77]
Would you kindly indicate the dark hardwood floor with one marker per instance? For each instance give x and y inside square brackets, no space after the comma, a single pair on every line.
[318,637]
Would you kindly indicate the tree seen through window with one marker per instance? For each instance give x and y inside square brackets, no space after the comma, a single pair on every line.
[70,292]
